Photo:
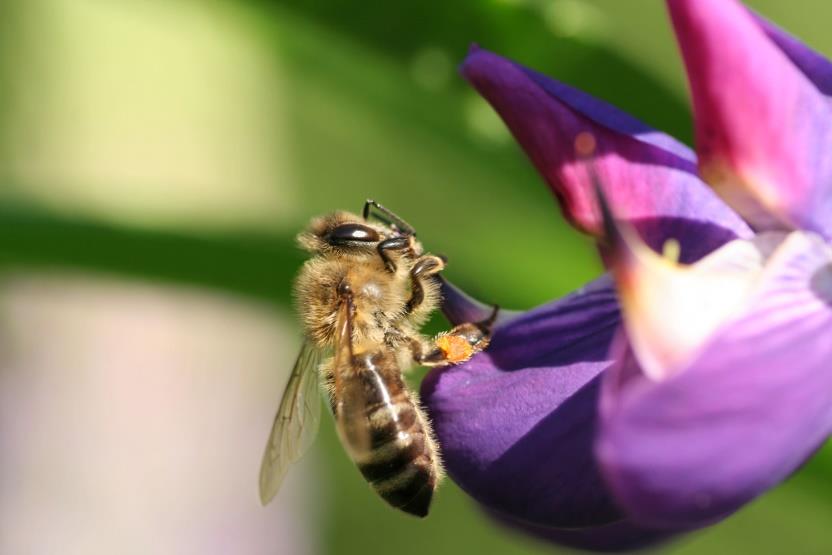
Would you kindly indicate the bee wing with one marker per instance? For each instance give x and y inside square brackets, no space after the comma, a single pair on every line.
[296,423]
[351,408]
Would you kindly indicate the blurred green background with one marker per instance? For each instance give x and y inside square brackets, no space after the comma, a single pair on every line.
[157,158]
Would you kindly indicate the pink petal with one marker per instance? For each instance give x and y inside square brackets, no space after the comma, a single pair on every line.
[763,130]
[816,67]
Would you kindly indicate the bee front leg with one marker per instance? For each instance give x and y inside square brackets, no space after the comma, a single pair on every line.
[457,344]
[426,266]
[386,247]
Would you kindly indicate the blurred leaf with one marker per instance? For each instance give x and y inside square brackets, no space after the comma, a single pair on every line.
[258,266]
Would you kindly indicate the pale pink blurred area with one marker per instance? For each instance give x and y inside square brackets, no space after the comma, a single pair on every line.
[133,418]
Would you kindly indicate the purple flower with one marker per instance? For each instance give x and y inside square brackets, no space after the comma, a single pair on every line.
[664,396]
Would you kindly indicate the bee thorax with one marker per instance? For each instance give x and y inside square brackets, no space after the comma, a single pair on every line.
[372,291]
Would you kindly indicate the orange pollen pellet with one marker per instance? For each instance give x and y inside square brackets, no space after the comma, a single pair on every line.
[456,349]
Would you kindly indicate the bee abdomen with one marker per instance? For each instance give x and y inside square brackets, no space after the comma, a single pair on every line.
[400,466]
[388,421]
[410,491]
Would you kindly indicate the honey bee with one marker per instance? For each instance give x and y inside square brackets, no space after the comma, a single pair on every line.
[363,297]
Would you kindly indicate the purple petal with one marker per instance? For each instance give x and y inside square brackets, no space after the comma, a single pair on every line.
[742,416]
[651,178]
[763,130]
[516,423]
[813,65]
[610,538]
[459,307]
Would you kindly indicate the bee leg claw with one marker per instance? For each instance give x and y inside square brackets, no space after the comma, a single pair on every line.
[486,325]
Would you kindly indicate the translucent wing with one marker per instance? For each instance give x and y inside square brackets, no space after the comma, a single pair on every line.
[296,423]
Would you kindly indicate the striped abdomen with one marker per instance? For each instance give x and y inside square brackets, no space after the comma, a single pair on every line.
[385,433]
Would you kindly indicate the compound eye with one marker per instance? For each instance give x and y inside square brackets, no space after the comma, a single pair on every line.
[351,233]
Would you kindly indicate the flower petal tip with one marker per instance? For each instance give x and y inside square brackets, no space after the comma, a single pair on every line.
[763,129]
[656,186]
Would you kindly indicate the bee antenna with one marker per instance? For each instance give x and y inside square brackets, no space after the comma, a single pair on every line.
[367,204]
[387,217]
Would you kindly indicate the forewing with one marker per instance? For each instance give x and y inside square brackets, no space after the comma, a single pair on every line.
[296,423]
[353,394]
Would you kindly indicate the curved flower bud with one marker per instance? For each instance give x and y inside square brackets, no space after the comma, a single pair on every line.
[763,148]
[687,443]
[653,177]
[517,422]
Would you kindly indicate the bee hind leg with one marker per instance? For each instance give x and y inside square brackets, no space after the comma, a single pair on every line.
[458,344]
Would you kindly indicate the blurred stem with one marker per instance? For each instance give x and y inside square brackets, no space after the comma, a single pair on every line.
[259,266]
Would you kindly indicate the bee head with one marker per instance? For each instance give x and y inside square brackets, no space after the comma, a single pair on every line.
[343,231]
